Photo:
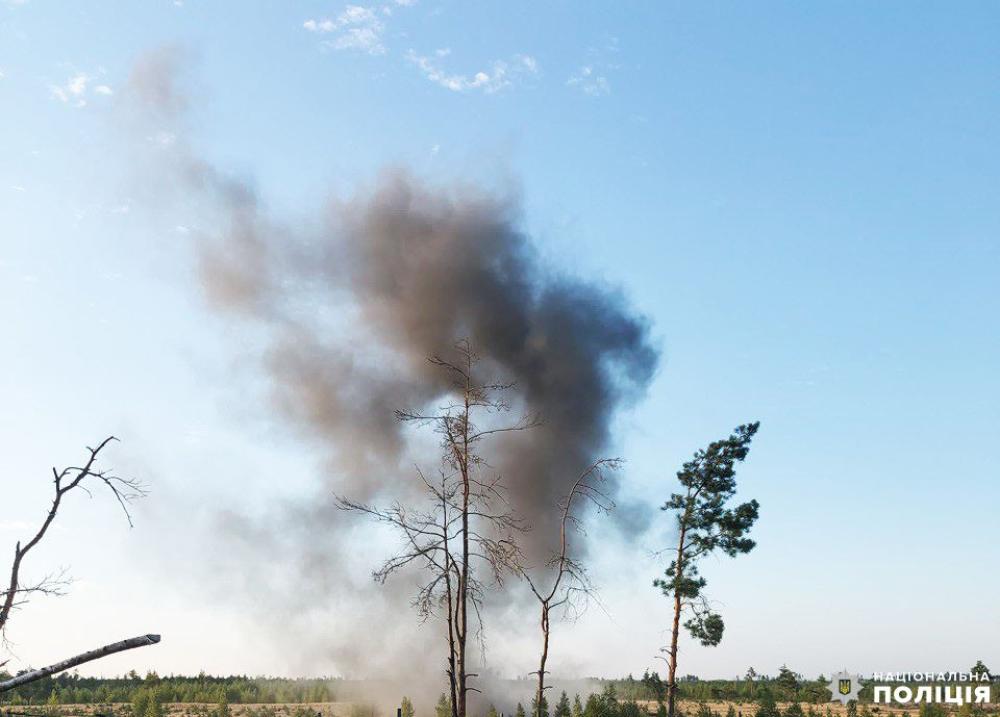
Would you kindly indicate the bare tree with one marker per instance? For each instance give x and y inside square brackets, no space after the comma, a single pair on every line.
[65,481]
[467,524]
[569,588]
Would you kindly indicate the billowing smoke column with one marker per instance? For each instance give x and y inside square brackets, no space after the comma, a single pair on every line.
[405,271]
[352,305]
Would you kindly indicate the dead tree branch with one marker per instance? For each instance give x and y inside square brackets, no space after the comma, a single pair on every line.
[570,588]
[125,490]
[27,677]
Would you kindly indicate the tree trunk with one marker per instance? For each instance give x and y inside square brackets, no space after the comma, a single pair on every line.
[34,675]
[464,594]
[452,675]
[545,656]
[463,597]
[672,674]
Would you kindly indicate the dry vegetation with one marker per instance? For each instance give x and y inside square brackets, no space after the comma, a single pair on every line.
[356,709]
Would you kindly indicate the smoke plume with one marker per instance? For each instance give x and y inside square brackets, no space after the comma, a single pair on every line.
[352,301]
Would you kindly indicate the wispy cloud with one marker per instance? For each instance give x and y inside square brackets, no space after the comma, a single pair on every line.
[590,81]
[355,28]
[502,73]
[363,28]
[77,89]
[72,91]
[592,78]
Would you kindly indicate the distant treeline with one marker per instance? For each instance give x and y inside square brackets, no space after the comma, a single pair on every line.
[69,689]
[136,690]
[787,686]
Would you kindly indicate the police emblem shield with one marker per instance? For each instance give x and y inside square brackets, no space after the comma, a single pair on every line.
[844,686]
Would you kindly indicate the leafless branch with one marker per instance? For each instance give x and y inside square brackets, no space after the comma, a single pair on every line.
[569,589]
[124,490]
[465,536]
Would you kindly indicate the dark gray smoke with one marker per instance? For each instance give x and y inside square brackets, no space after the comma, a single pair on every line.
[405,271]
[354,300]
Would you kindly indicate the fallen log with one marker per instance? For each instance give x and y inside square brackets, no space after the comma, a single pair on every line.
[100,652]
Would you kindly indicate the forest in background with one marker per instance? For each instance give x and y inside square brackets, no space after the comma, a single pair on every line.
[72,689]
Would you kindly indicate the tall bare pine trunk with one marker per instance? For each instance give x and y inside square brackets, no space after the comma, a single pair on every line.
[675,631]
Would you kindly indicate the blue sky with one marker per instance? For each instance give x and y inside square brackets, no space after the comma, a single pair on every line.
[801,197]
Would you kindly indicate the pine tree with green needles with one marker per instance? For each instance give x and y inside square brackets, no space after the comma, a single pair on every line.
[750,677]
[406,707]
[788,679]
[654,685]
[577,706]
[562,706]
[140,703]
[766,706]
[443,706]
[520,711]
[980,671]
[705,524]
